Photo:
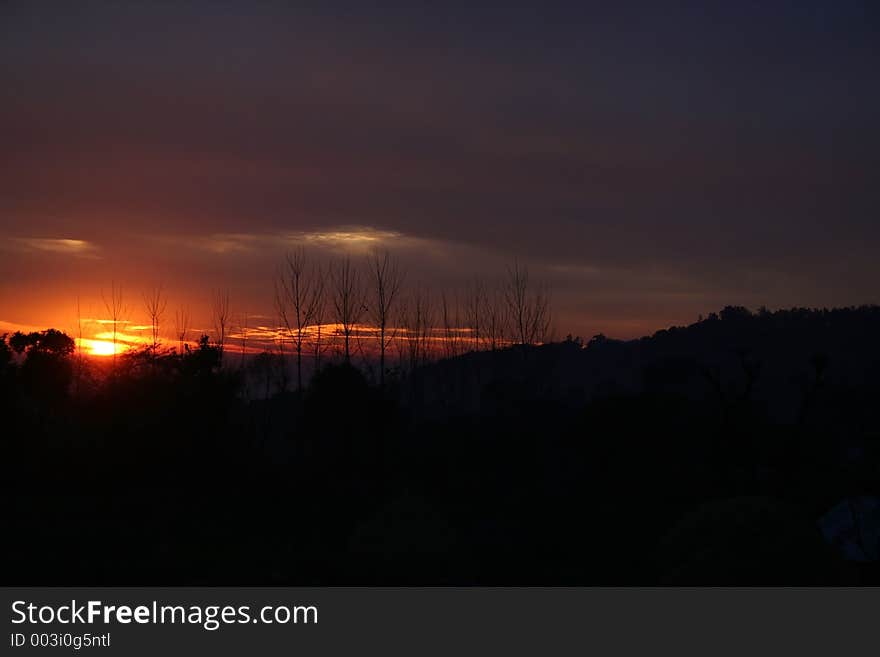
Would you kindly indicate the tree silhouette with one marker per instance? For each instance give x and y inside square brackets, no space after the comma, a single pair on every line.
[495,319]
[528,306]
[155,303]
[181,326]
[221,314]
[348,300]
[299,291]
[387,280]
[244,330]
[115,306]
[449,310]
[418,323]
[50,341]
[46,372]
[475,307]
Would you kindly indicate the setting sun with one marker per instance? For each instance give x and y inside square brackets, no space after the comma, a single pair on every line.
[100,347]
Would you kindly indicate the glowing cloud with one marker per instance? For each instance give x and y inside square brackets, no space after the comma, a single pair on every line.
[223,243]
[63,246]
[344,238]
[354,236]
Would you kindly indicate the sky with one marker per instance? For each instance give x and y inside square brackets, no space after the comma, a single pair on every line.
[648,163]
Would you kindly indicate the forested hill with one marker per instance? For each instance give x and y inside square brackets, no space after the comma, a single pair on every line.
[779,359]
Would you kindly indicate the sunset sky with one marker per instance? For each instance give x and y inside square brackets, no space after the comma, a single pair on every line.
[649,163]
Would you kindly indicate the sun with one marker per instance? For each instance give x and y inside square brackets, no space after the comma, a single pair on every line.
[99,347]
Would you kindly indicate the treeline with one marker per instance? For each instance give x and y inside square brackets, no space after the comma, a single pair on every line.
[374,313]
[356,311]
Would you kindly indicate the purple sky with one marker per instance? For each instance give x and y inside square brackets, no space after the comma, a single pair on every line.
[650,165]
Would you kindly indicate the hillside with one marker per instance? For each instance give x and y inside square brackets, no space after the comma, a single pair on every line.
[740,449]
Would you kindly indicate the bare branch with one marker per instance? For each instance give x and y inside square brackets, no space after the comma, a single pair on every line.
[528,306]
[299,300]
[155,304]
[220,310]
[348,300]
[181,326]
[116,308]
[387,280]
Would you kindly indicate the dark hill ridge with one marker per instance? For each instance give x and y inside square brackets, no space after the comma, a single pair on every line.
[740,425]
[777,359]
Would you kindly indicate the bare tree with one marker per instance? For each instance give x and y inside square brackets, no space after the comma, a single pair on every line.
[528,306]
[116,308]
[282,361]
[402,343]
[181,326]
[417,322]
[155,303]
[348,300]
[494,319]
[299,291]
[386,281]
[244,336]
[79,346]
[474,311]
[317,338]
[427,327]
[451,325]
[220,310]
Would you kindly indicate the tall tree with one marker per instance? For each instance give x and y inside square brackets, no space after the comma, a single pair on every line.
[449,309]
[115,306]
[80,362]
[244,336]
[386,280]
[299,292]
[348,300]
[155,303]
[181,326]
[495,318]
[318,338]
[528,306]
[474,310]
[417,322]
[220,310]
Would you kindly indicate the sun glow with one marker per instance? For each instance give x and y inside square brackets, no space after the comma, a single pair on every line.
[100,347]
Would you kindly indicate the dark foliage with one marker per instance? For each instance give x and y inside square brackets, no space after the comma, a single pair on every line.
[701,455]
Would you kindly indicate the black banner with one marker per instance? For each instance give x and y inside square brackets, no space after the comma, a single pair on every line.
[448,621]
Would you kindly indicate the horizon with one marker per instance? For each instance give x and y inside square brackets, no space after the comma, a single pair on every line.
[277,339]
